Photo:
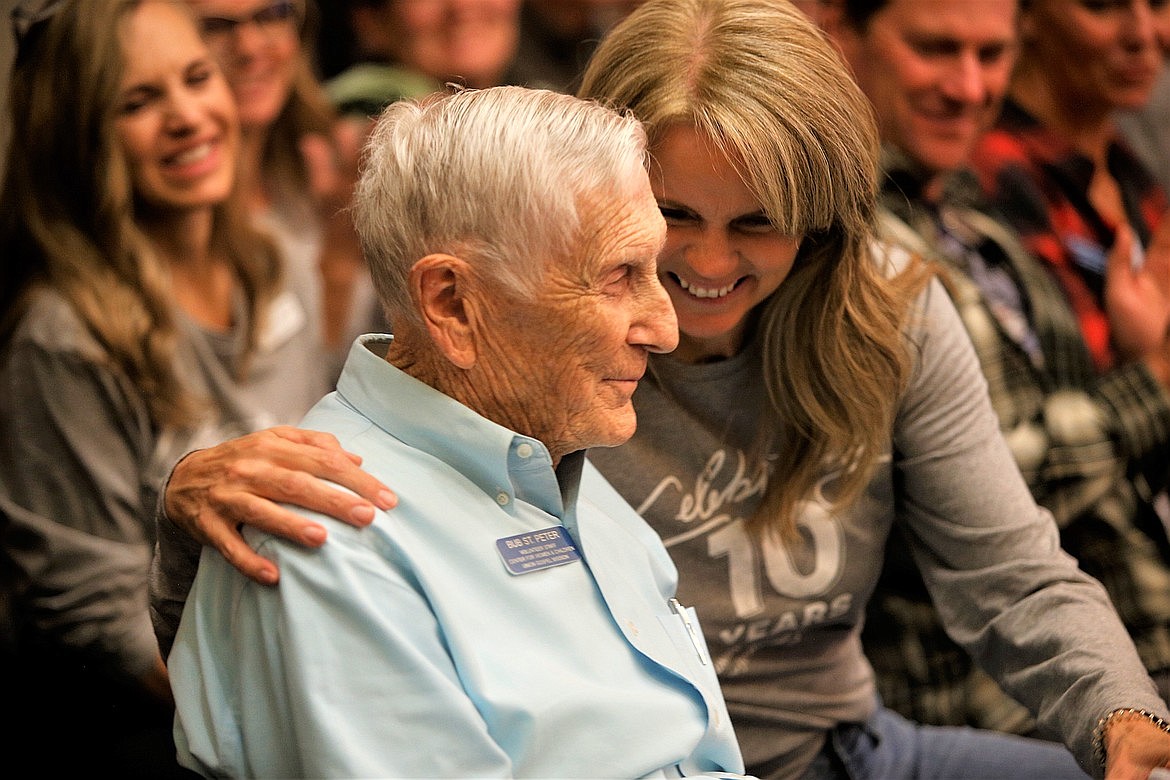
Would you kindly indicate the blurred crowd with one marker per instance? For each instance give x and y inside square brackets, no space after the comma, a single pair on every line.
[1025,158]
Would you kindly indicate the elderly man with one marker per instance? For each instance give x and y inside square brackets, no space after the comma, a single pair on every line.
[936,72]
[515,616]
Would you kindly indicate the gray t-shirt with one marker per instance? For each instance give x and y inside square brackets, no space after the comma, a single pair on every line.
[783,620]
[297,230]
[82,462]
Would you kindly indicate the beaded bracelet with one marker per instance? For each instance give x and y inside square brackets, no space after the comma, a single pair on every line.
[1103,724]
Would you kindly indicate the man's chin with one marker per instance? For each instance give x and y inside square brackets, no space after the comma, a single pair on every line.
[617,434]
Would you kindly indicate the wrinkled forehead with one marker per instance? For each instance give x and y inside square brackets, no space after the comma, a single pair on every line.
[229,8]
[966,22]
[619,223]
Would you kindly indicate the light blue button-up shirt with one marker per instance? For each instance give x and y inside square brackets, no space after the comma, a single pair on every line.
[410,648]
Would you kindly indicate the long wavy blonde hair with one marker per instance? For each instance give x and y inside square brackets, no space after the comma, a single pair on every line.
[67,209]
[760,81]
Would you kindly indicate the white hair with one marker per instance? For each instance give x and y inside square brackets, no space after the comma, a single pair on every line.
[500,177]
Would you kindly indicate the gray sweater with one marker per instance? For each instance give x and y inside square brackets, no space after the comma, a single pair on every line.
[783,621]
[82,462]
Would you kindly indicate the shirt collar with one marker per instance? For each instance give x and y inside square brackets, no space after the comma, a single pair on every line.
[904,182]
[1045,145]
[504,464]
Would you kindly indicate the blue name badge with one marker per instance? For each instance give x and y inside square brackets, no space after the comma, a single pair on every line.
[536,550]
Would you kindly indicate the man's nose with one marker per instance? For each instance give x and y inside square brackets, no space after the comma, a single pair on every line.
[655,326]
[966,81]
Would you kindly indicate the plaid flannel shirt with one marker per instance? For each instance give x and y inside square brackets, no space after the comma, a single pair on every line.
[1041,185]
[1094,449]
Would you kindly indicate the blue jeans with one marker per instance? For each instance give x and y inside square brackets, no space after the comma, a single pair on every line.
[889,747]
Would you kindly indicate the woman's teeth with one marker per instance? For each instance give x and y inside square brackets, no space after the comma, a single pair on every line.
[192,155]
[705,292]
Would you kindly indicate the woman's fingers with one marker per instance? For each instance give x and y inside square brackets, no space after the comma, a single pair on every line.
[250,479]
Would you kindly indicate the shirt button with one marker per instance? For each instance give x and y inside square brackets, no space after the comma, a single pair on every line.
[524,450]
[502,498]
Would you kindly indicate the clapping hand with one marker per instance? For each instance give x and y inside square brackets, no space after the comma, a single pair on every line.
[1137,295]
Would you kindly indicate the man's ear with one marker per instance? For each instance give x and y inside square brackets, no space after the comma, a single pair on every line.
[841,32]
[1025,27]
[439,285]
[830,17]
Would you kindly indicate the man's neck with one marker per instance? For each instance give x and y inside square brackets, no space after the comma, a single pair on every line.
[480,388]
[928,186]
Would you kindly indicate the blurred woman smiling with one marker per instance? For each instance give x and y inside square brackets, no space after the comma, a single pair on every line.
[823,391]
[298,161]
[143,316]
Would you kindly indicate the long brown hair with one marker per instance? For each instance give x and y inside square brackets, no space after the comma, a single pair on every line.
[67,209]
[759,80]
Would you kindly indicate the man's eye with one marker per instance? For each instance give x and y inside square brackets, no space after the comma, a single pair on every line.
[198,76]
[931,48]
[217,26]
[275,13]
[1100,6]
[993,54]
[618,277]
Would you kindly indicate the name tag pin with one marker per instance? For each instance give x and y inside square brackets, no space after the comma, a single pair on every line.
[680,610]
